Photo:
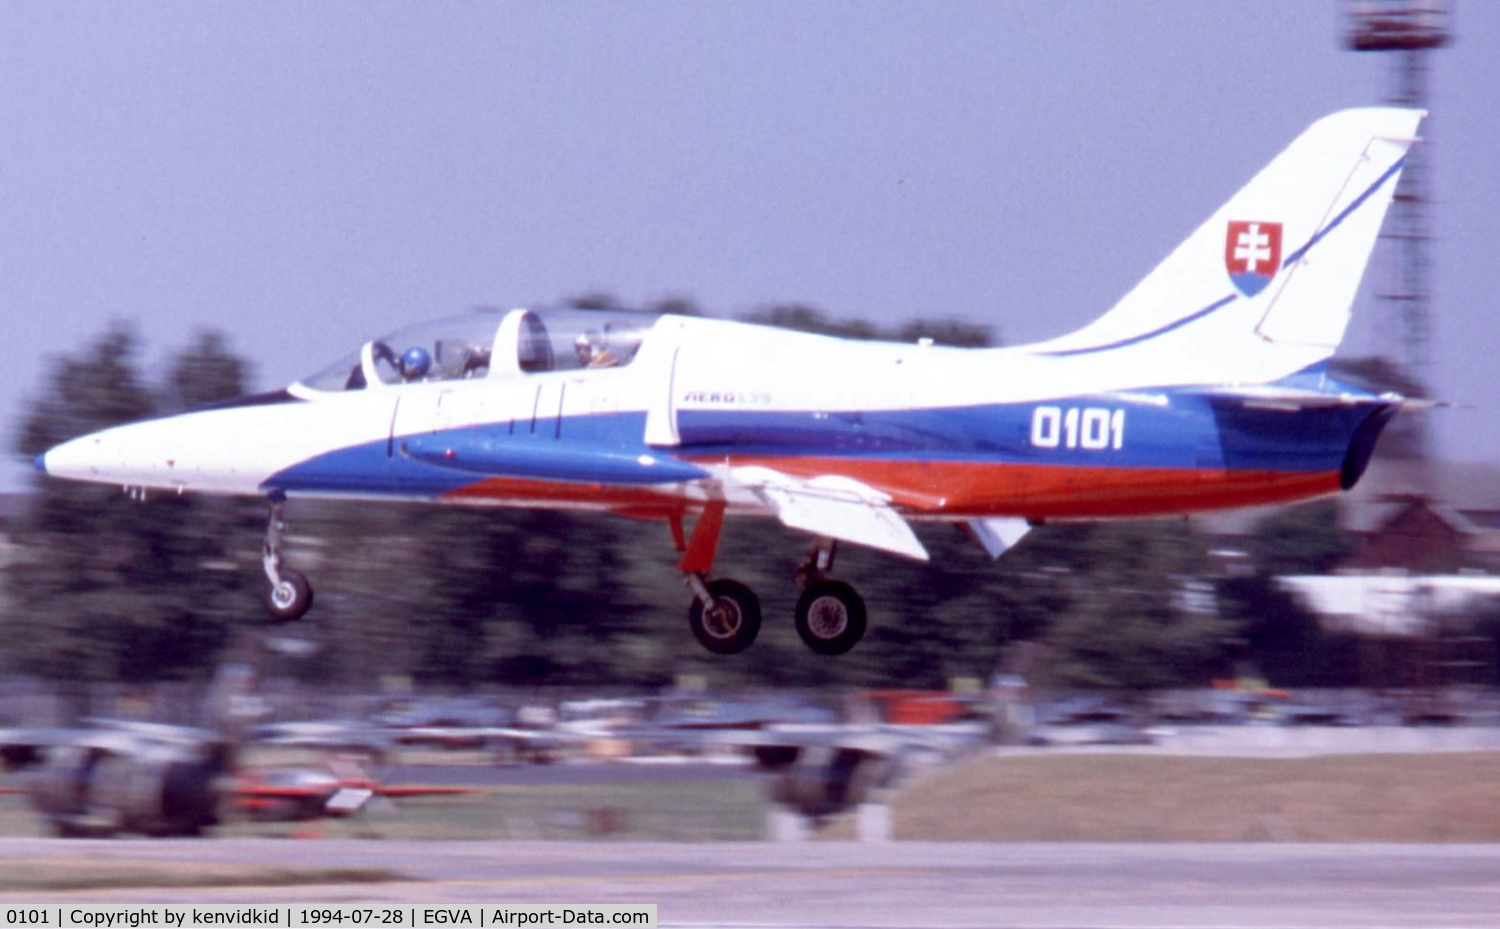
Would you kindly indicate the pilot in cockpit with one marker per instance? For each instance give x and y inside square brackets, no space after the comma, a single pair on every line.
[415,363]
[593,351]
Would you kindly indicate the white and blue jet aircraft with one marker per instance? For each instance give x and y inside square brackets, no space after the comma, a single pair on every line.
[1205,387]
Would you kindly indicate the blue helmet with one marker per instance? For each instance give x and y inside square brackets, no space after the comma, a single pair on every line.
[415,363]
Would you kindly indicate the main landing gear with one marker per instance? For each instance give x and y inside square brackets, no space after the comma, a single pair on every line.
[289,595]
[725,614]
[830,614]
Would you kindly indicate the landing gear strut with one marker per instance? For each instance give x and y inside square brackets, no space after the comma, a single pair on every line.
[725,614]
[289,595]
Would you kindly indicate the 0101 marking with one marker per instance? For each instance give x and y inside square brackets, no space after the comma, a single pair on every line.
[1092,428]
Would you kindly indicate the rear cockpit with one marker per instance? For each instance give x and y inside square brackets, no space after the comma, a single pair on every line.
[490,344]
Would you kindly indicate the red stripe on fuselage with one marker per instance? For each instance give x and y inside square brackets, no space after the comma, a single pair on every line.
[633,499]
[962,488]
[957,488]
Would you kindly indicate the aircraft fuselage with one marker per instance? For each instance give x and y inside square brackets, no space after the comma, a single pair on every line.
[1204,387]
[981,447]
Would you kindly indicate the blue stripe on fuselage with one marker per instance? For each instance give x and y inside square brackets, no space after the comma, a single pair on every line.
[379,468]
[1185,430]
[368,469]
[1189,430]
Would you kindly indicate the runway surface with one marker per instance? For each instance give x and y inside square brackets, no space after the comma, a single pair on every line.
[828,884]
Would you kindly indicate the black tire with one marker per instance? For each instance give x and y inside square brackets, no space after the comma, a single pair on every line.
[289,600]
[830,617]
[737,623]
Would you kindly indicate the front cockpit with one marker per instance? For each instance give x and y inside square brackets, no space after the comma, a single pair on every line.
[489,344]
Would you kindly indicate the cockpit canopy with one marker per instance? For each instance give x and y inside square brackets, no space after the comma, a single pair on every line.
[489,344]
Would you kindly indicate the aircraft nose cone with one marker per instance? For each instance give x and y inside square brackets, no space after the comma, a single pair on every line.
[78,459]
[143,455]
[222,451]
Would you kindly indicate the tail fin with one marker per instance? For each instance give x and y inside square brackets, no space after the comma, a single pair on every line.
[1263,288]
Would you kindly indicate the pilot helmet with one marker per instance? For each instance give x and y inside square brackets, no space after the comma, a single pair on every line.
[415,363]
[586,345]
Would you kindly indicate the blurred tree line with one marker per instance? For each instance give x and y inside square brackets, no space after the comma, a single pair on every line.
[109,588]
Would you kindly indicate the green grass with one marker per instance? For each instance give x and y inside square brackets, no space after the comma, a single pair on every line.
[659,812]
[63,874]
[1136,798]
[1051,798]
[716,811]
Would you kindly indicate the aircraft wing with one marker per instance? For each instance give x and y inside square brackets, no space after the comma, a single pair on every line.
[778,745]
[21,748]
[156,732]
[331,797]
[334,736]
[834,506]
[303,791]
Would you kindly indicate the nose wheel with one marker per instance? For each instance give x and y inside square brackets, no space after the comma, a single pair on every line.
[289,595]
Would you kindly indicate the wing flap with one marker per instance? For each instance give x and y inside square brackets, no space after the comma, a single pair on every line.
[834,506]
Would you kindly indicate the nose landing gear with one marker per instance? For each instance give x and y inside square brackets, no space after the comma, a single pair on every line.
[289,595]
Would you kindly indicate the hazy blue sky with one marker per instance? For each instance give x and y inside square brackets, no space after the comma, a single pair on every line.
[306,175]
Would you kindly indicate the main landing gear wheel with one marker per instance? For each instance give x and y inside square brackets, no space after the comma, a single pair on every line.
[289,598]
[830,617]
[731,623]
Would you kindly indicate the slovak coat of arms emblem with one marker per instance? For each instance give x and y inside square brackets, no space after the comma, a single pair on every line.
[1252,255]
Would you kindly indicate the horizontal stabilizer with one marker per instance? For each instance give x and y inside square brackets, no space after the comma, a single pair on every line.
[1292,399]
[1295,399]
[834,506]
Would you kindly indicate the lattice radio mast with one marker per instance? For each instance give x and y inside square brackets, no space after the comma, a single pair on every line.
[1409,31]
